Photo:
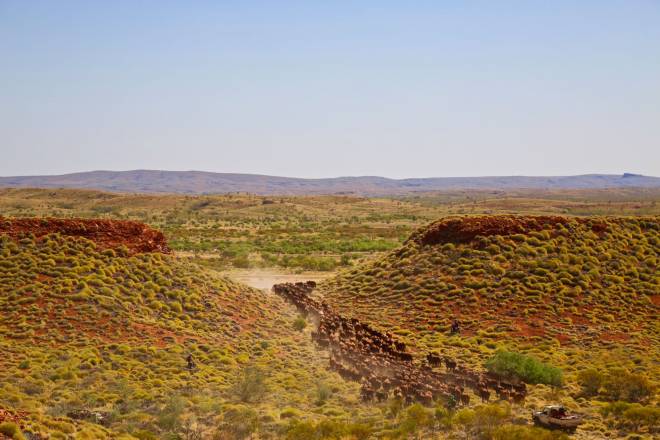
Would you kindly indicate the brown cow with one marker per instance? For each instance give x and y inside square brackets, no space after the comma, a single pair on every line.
[434,360]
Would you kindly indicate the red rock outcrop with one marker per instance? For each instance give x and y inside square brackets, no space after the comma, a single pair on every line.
[107,234]
[466,229]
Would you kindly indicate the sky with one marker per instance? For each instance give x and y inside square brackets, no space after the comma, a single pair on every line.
[324,89]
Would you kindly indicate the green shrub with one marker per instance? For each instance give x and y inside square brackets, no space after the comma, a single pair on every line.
[242,261]
[488,417]
[301,431]
[416,417]
[238,422]
[633,415]
[619,384]
[518,432]
[518,366]
[615,409]
[591,380]
[443,417]
[169,417]
[251,386]
[327,429]
[638,416]
[323,393]
[299,323]
[143,434]
[11,430]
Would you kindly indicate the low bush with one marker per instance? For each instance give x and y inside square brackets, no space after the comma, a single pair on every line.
[518,432]
[632,415]
[615,384]
[637,416]
[323,393]
[483,420]
[11,430]
[620,384]
[512,365]
[299,323]
[415,418]
[591,380]
[327,429]
[238,422]
[251,386]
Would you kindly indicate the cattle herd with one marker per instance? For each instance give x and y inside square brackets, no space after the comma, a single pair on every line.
[382,365]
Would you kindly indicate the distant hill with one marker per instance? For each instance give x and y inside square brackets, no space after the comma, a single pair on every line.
[200,182]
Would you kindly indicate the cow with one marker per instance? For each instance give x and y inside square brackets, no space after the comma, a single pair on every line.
[434,360]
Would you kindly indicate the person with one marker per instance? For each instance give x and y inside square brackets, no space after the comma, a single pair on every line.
[455,328]
[191,362]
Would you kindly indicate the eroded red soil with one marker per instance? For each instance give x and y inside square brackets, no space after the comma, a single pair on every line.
[466,229]
[107,234]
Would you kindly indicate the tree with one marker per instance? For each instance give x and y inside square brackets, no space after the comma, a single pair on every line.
[528,369]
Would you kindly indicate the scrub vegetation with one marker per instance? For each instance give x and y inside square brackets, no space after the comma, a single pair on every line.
[307,233]
[96,338]
[571,303]
[95,345]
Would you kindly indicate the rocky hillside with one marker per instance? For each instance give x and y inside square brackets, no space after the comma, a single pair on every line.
[106,335]
[526,277]
[95,344]
[577,293]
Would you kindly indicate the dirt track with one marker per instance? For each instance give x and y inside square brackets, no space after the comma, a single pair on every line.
[107,234]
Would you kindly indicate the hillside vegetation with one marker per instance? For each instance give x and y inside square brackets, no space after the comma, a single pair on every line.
[308,233]
[577,293]
[96,331]
[95,343]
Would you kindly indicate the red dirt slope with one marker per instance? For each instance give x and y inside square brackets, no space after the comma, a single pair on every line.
[107,234]
[466,229]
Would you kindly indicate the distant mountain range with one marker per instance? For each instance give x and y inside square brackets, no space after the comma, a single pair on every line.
[201,182]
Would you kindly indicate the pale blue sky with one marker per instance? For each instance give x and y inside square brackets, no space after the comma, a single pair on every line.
[318,89]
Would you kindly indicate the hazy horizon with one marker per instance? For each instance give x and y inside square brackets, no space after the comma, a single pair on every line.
[327,90]
[329,176]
